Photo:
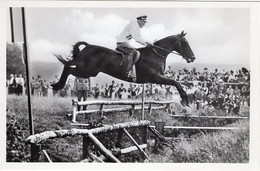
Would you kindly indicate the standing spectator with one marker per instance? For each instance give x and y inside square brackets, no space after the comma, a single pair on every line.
[81,89]
[211,99]
[111,90]
[96,91]
[124,94]
[204,91]
[226,77]
[220,100]
[55,92]
[37,86]
[198,97]
[236,91]
[190,93]
[131,89]
[169,73]
[120,90]
[33,84]
[20,85]
[139,91]
[236,108]
[163,92]
[11,84]
[45,87]
[243,94]
[231,77]
[70,91]
[229,90]
[106,90]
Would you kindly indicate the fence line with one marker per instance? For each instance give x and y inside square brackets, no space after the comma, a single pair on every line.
[131,109]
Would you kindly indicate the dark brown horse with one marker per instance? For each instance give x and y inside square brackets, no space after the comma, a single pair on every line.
[150,67]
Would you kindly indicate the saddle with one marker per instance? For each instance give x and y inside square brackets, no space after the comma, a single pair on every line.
[119,51]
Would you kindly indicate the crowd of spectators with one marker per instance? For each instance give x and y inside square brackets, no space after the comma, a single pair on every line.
[225,90]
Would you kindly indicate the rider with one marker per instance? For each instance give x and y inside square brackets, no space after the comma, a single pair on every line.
[131,30]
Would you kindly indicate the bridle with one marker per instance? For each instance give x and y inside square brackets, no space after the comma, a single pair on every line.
[176,53]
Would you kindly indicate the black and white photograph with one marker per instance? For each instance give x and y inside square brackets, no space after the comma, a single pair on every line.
[132,82]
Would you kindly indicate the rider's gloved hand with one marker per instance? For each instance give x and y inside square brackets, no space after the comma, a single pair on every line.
[148,44]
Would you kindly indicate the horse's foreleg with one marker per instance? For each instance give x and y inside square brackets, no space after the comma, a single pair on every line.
[62,81]
[163,80]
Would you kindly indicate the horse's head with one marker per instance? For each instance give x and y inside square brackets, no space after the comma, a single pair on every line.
[183,48]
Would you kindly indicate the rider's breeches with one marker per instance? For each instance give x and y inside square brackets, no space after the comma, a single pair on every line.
[129,50]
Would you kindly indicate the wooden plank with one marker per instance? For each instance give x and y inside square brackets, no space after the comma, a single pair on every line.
[47,156]
[201,128]
[102,148]
[96,158]
[209,117]
[132,148]
[37,138]
[135,143]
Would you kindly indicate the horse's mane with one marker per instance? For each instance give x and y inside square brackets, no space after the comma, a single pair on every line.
[166,38]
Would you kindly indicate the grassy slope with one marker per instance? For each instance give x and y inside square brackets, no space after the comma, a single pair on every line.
[50,114]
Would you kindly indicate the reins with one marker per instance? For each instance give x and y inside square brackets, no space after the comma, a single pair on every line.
[162,49]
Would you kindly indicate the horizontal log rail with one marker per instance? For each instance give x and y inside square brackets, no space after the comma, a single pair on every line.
[209,117]
[91,111]
[133,103]
[200,128]
[37,138]
[121,102]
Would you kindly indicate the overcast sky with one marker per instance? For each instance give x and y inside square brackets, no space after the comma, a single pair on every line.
[216,35]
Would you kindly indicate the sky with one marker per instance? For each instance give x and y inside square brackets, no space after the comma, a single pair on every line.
[216,35]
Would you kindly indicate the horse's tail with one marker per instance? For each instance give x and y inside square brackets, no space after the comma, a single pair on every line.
[75,51]
[61,59]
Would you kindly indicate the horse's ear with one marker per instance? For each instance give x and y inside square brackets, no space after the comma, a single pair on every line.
[182,34]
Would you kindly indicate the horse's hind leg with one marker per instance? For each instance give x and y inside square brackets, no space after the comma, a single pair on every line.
[62,81]
[159,79]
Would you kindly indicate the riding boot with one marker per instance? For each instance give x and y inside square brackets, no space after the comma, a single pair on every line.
[129,67]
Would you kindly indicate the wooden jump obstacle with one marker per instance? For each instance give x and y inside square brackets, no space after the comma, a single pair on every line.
[164,105]
[89,137]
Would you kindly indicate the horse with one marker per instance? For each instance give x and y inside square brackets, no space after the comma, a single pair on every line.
[150,66]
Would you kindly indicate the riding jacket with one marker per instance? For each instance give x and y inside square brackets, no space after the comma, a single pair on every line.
[131,30]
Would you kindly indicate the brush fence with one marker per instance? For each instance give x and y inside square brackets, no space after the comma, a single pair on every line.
[130,106]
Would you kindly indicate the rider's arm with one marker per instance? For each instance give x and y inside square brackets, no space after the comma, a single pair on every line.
[135,32]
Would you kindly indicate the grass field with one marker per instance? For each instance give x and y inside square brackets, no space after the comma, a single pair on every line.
[50,113]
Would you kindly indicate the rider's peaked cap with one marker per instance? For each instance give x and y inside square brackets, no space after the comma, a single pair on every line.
[143,17]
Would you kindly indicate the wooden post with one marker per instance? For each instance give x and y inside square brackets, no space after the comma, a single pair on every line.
[75,109]
[159,126]
[102,149]
[135,143]
[142,116]
[86,147]
[101,110]
[12,24]
[119,138]
[150,108]
[35,152]
[144,134]
[132,111]
[26,61]
[47,156]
